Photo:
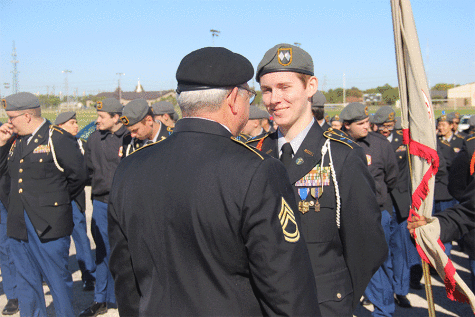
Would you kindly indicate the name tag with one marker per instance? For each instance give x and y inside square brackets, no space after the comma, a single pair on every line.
[318,176]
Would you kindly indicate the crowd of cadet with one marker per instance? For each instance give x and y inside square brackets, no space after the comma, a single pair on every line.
[201,218]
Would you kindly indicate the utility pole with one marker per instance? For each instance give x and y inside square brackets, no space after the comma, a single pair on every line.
[120,90]
[214,33]
[66,88]
[344,90]
[47,91]
[15,70]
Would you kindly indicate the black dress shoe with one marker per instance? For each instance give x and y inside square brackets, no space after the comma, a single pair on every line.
[11,307]
[365,302]
[94,310]
[88,285]
[402,301]
[416,285]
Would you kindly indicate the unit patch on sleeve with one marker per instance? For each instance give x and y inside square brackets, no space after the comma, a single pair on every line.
[288,223]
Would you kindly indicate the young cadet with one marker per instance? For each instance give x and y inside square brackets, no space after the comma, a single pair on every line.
[253,127]
[446,134]
[47,172]
[164,112]
[336,194]
[104,151]
[318,109]
[67,121]
[137,117]
[201,224]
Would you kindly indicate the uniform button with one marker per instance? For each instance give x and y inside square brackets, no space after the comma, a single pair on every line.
[21,190]
[21,161]
[20,180]
[56,203]
[41,160]
[312,203]
[20,170]
[338,295]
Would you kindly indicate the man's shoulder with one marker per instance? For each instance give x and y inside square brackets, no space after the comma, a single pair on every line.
[340,137]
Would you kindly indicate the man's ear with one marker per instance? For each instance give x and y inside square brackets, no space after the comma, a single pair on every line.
[231,100]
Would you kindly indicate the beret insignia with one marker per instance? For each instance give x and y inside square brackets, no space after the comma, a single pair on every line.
[99,105]
[288,223]
[337,117]
[284,56]
[366,111]
[443,117]
[457,115]
[391,116]
[124,120]
[4,103]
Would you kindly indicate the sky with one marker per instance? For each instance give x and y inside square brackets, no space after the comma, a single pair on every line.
[351,42]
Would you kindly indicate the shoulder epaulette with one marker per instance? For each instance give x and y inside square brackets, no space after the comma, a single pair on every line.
[248,147]
[339,137]
[459,136]
[56,128]
[399,132]
[470,137]
[242,137]
[444,142]
[147,145]
[262,137]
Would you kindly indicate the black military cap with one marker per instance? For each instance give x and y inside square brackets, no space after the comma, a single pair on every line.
[20,101]
[109,105]
[163,107]
[134,112]
[212,67]
[354,111]
[256,113]
[318,100]
[65,117]
[285,58]
[384,114]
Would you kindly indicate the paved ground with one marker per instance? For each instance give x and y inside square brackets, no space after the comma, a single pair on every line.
[444,306]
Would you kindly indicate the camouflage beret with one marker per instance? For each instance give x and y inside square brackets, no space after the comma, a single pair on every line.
[64,117]
[163,107]
[384,114]
[285,58]
[256,113]
[354,111]
[134,112]
[20,101]
[318,100]
[212,67]
[109,105]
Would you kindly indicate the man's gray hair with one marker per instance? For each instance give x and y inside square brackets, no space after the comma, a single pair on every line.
[195,102]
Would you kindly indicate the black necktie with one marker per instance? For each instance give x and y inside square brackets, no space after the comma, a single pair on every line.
[287,152]
[23,143]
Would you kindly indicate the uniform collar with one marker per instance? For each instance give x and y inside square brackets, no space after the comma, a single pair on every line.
[295,142]
[195,124]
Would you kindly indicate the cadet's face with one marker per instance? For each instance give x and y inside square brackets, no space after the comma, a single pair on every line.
[71,126]
[18,121]
[359,129]
[105,121]
[455,125]
[250,126]
[285,97]
[141,131]
[336,125]
[444,128]
[386,128]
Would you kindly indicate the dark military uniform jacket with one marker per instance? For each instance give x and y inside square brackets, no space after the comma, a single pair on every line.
[211,230]
[446,155]
[345,259]
[104,151]
[136,144]
[401,194]
[38,186]
[382,165]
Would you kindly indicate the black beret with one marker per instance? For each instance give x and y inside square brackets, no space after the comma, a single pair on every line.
[134,112]
[256,113]
[163,107]
[384,114]
[212,67]
[285,58]
[20,101]
[109,105]
[354,111]
[318,100]
[65,117]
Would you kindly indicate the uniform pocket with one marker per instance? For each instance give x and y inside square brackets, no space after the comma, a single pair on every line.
[54,199]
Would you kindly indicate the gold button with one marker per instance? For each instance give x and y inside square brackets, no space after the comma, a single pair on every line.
[21,161]
[21,190]
[338,295]
[36,140]
[20,180]
[41,160]
[20,170]
[312,203]
[56,203]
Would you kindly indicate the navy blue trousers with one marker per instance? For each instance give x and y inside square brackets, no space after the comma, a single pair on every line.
[6,261]
[35,260]
[104,291]
[83,245]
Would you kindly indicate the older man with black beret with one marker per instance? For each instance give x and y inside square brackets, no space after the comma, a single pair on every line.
[330,180]
[47,172]
[201,224]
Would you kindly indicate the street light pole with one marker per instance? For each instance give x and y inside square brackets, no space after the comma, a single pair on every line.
[120,90]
